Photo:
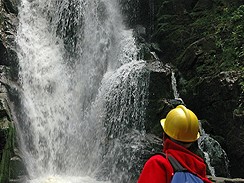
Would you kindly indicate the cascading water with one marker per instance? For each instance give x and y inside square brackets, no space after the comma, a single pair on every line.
[174,85]
[214,154]
[82,90]
[210,148]
[206,155]
[177,97]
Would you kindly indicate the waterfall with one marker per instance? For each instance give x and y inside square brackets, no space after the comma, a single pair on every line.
[174,86]
[213,153]
[83,91]
[203,134]
[203,137]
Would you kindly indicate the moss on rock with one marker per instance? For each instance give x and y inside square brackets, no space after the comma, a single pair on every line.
[8,151]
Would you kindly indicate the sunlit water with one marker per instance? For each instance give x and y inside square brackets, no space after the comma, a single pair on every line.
[66,179]
[83,90]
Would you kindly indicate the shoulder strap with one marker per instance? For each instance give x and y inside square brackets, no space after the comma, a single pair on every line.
[174,163]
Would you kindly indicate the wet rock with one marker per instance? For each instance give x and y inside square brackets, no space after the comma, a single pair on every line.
[8,65]
[140,147]
[4,109]
[18,169]
[191,58]
[160,89]
[174,7]
[3,53]
[218,160]
[7,151]
[225,180]
[11,6]
[8,25]
[202,5]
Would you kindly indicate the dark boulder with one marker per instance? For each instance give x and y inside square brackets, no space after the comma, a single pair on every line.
[160,90]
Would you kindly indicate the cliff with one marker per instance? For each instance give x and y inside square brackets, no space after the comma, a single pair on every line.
[201,40]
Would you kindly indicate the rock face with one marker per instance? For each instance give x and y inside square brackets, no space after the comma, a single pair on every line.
[7,136]
[225,180]
[217,98]
[159,85]
[159,107]
[192,37]
[11,165]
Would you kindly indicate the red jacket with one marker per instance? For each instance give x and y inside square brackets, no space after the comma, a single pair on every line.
[158,169]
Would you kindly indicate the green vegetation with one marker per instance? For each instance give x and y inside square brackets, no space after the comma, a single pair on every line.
[202,40]
[229,36]
[6,153]
[222,26]
[227,30]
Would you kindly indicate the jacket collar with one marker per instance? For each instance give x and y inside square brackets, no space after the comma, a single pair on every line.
[170,146]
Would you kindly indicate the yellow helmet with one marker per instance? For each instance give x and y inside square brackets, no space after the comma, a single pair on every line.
[181,124]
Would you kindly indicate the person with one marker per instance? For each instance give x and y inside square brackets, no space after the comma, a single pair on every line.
[180,131]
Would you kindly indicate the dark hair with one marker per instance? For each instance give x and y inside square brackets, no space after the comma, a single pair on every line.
[177,141]
[193,148]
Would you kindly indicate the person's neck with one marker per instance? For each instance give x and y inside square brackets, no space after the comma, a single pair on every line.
[184,144]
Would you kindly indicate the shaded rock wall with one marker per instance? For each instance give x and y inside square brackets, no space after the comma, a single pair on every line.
[197,38]
[217,98]
[159,85]
[225,180]
[7,137]
[11,165]
[161,101]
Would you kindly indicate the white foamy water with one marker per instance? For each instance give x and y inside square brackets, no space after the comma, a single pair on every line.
[60,179]
[82,90]
[174,85]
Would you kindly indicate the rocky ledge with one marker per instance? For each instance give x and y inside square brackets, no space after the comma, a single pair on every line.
[225,180]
